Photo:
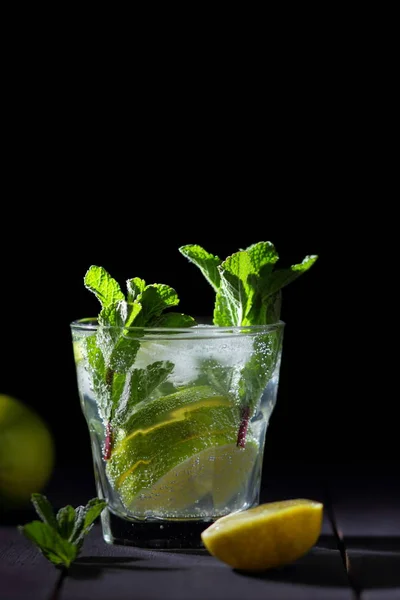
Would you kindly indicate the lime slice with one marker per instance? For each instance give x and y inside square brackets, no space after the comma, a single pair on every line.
[221,471]
[78,350]
[233,473]
[178,489]
[180,447]
[268,536]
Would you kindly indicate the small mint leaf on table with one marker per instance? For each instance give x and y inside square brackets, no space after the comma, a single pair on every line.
[60,538]
[56,549]
[93,509]
[85,518]
[78,523]
[44,509]
[66,521]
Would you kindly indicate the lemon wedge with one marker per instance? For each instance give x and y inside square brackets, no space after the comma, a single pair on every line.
[267,536]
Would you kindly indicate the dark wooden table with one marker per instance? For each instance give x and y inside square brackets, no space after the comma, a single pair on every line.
[356,557]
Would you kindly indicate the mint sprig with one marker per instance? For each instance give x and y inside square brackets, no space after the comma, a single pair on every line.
[112,352]
[59,537]
[248,292]
[247,284]
[248,288]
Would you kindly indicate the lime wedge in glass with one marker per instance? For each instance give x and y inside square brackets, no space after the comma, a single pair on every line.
[221,471]
[198,428]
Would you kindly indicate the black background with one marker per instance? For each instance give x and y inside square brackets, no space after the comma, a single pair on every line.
[328,408]
[102,175]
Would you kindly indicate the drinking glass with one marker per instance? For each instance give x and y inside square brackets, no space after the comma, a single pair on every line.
[177,420]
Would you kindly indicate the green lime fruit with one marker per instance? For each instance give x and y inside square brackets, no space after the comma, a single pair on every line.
[179,448]
[233,474]
[221,471]
[77,347]
[26,452]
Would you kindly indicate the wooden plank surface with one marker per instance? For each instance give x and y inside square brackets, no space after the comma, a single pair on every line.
[367,513]
[118,572]
[135,573]
[24,573]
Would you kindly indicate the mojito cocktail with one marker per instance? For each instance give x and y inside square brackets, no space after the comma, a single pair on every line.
[178,411]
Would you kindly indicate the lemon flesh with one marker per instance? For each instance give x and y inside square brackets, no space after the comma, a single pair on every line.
[267,536]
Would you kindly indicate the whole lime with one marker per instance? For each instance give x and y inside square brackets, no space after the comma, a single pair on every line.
[27,452]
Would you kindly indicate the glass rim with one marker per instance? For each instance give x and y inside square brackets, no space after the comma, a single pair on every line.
[91,325]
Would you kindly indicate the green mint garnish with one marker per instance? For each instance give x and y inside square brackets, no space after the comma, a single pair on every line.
[111,354]
[59,537]
[207,263]
[248,292]
[247,284]
[142,383]
[248,288]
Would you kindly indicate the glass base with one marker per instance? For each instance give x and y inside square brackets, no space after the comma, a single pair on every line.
[161,534]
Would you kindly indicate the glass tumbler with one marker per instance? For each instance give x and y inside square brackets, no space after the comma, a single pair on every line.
[177,420]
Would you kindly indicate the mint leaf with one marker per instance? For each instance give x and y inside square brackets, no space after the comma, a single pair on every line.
[114,316]
[44,509]
[111,356]
[236,290]
[283,277]
[111,319]
[123,354]
[94,508]
[221,378]
[263,255]
[56,549]
[248,287]
[60,538]
[117,390]
[78,524]
[248,292]
[106,289]
[207,263]
[238,301]
[141,384]
[97,372]
[85,518]
[66,521]
[259,368]
[117,345]
[222,311]
[144,381]
[173,320]
[135,287]
[155,299]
